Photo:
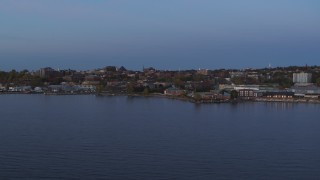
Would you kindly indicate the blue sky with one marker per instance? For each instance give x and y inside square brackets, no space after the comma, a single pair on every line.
[166,34]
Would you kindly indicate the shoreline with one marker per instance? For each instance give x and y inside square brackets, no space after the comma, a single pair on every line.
[311,101]
[186,99]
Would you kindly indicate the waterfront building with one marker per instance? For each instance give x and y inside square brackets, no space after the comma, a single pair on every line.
[20,89]
[38,90]
[306,91]
[55,88]
[86,88]
[2,88]
[173,91]
[247,93]
[279,95]
[211,96]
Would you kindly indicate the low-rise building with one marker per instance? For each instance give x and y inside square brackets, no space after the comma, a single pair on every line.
[2,88]
[212,96]
[247,93]
[86,88]
[227,87]
[308,91]
[173,91]
[38,90]
[247,87]
[20,89]
[279,95]
[204,72]
[235,74]
[55,88]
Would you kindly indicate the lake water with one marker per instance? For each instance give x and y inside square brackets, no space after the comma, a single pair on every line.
[89,137]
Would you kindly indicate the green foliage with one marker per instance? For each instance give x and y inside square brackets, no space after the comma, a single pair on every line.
[233,94]
[285,82]
[318,81]
[130,88]
[57,81]
[146,91]
[12,76]
[197,97]
[198,77]
[3,77]
[100,89]
[36,81]
[238,80]
[178,82]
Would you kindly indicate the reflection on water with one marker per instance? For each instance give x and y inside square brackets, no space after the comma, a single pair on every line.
[280,106]
[88,137]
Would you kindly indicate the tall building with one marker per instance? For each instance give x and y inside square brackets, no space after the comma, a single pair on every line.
[46,72]
[302,78]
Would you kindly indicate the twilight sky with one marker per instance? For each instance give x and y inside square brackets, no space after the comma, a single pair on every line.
[165,34]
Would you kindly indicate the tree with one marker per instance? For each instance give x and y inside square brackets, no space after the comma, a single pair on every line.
[130,88]
[285,82]
[318,81]
[238,80]
[12,75]
[178,82]
[3,76]
[36,81]
[233,94]
[197,97]
[100,89]
[146,91]
[198,77]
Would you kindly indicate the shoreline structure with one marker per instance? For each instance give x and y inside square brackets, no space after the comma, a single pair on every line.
[181,98]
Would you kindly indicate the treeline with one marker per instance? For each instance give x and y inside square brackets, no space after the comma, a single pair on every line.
[23,77]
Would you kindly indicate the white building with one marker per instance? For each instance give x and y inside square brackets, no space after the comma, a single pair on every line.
[2,88]
[302,78]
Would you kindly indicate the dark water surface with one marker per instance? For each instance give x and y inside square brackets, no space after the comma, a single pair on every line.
[88,137]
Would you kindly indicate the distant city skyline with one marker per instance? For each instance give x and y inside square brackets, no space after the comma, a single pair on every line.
[167,34]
